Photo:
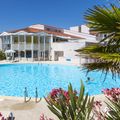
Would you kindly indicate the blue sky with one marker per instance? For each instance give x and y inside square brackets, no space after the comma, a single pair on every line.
[61,13]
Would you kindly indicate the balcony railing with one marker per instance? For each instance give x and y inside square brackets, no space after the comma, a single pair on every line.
[29,47]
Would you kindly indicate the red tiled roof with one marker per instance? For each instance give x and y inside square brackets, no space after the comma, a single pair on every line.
[29,30]
[34,30]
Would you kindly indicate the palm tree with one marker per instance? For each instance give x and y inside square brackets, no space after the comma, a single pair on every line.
[104,20]
[104,60]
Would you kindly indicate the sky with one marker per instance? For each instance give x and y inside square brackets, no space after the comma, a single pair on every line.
[16,14]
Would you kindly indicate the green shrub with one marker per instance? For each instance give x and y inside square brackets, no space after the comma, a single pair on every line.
[2,55]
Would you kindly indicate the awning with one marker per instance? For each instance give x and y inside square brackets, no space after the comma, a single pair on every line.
[9,51]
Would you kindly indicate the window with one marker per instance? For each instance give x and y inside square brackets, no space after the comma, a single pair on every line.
[21,39]
[48,29]
[35,40]
[15,39]
[28,39]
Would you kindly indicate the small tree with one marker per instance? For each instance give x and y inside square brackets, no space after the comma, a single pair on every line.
[2,55]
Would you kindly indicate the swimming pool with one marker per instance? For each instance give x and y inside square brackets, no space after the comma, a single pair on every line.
[15,77]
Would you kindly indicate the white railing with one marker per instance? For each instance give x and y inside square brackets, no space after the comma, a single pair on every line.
[29,47]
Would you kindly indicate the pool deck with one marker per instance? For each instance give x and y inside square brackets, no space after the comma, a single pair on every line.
[24,111]
[31,110]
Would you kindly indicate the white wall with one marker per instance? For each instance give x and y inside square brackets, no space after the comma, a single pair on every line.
[68,48]
[78,34]
[82,29]
[75,28]
[85,29]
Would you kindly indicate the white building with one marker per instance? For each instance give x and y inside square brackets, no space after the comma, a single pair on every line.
[43,42]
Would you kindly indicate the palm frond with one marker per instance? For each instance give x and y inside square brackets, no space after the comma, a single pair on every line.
[106,21]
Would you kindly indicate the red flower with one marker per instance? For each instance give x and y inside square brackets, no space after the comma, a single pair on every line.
[98,103]
[113,93]
[0,114]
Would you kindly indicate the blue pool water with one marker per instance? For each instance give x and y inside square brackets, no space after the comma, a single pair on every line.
[15,77]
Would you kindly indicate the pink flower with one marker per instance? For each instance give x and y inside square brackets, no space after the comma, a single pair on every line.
[98,103]
[57,94]
[43,117]
[113,93]
[3,118]
[0,114]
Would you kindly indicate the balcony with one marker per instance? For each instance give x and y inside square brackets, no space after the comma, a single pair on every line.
[21,46]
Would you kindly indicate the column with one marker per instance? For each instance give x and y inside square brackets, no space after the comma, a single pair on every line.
[44,47]
[50,43]
[4,45]
[11,47]
[39,52]
[11,42]
[19,47]
[51,49]
[32,52]
[24,46]
[6,42]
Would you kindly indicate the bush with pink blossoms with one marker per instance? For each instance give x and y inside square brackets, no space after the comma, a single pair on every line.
[8,118]
[1,117]
[70,105]
[98,114]
[113,94]
[55,95]
[112,111]
[43,117]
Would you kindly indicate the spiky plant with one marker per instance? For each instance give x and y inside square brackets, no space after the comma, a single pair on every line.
[78,107]
[114,110]
[105,21]
[104,60]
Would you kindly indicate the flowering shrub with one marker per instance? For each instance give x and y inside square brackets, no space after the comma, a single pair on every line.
[43,117]
[98,114]
[10,117]
[55,95]
[56,92]
[1,117]
[112,111]
[68,105]
[113,94]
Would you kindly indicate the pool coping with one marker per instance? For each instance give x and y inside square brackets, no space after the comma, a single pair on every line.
[32,98]
[40,62]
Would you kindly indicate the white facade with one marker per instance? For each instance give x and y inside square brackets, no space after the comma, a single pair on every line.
[81,29]
[75,28]
[85,36]
[68,48]
[85,29]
